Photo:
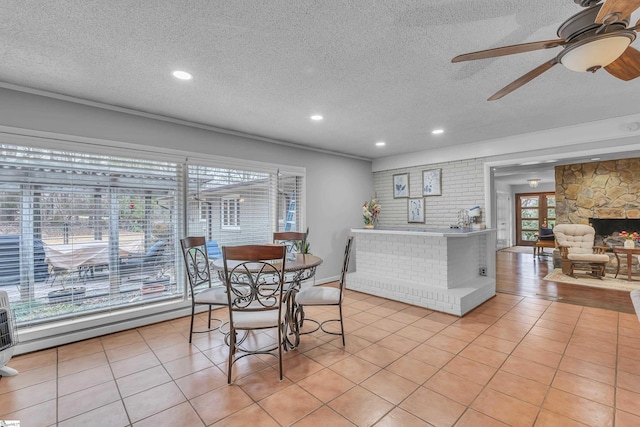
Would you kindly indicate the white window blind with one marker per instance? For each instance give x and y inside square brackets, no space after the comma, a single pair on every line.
[101,223]
[290,202]
[238,205]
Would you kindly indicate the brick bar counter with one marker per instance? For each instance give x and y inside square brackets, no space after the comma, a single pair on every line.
[448,270]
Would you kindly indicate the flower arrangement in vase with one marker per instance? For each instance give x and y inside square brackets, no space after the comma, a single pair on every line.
[630,239]
[370,211]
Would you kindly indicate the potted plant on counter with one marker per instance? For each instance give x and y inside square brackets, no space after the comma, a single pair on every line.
[370,212]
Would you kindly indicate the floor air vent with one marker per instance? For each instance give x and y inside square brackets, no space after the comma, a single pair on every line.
[8,336]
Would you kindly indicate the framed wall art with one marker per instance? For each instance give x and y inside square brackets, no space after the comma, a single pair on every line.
[431,184]
[401,186]
[415,210]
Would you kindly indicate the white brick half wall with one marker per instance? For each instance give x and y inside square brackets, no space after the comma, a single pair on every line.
[436,270]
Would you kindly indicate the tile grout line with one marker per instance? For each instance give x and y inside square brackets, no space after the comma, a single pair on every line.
[540,407]
[486,385]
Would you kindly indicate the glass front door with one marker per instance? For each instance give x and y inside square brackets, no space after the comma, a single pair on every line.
[534,210]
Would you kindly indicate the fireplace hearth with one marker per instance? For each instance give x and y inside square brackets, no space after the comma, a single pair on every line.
[609,226]
[607,230]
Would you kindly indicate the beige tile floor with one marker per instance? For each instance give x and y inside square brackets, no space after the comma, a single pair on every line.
[513,361]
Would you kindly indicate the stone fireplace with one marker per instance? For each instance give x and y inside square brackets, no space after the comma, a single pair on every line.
[603,194]
[607,229]
[605,190]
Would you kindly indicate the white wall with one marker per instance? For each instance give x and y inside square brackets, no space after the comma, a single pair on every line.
[335,185]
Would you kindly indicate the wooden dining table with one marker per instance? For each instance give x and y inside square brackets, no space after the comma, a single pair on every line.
[297,268]
[630,252]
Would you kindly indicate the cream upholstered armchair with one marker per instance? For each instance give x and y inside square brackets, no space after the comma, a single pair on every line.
[575,242]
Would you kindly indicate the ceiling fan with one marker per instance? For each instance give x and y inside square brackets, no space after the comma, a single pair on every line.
[597,37]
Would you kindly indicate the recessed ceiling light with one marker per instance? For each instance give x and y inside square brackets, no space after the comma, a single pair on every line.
[381,143]
[596,158]
[550,161]
[182,75]
[317,117]
[437,131]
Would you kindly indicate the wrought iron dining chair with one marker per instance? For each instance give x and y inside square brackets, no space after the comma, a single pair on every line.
[203,292]
[293,240]
[254,277]
[325,296]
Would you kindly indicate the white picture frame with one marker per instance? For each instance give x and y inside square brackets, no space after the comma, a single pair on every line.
[415,210]
[401,186]
[431,182]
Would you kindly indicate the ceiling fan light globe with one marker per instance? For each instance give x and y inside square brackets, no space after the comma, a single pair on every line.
[592,54]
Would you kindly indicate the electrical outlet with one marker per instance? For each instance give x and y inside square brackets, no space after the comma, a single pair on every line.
[483,271]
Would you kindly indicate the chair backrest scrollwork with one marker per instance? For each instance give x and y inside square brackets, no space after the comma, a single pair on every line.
[254,276]
[196,262]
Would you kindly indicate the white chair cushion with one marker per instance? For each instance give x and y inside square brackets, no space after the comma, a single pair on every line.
[579,250]
[216,295]
[318,295]
[590,257]
[257,319]
[575,236]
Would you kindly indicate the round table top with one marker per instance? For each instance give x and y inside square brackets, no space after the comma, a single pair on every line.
[301,262]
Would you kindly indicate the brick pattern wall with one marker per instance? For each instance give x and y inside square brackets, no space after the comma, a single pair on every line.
[462,188]
[413,259]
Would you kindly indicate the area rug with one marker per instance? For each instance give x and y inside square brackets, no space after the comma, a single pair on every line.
[518,249]
[608,282]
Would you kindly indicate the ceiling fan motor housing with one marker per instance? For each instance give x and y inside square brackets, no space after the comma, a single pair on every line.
[593,45]
[583,24]
[586,3]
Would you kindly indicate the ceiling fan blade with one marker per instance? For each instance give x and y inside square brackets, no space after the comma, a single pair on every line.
[623,8]
[509,50]
[523,80]
[627,66]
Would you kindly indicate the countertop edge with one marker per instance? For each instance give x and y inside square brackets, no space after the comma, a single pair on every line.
[455,232]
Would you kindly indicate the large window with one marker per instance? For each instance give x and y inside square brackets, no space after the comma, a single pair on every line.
[84,233]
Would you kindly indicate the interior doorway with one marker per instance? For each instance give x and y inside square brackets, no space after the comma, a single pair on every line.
[532,211]
[503,220]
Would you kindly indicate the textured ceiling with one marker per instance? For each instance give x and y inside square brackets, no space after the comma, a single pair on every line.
[376,70]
